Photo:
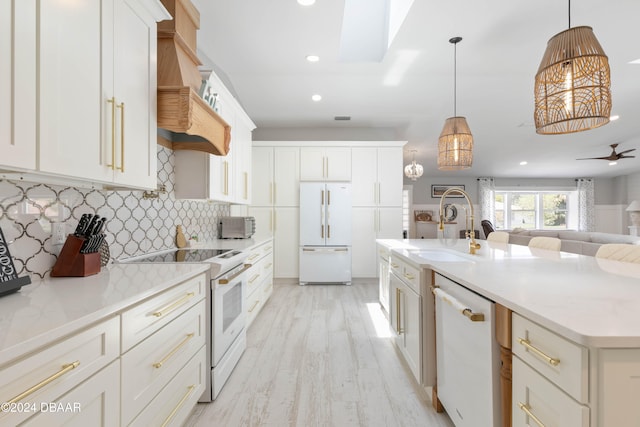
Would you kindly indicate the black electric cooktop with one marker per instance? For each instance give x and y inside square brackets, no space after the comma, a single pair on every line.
[183,255]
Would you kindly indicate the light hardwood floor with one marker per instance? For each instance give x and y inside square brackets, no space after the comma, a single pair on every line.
[317,357]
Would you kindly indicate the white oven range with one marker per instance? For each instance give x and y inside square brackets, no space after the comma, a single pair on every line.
[226,334]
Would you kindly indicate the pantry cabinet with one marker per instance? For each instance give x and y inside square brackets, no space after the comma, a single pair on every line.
[97,82]
[18,77]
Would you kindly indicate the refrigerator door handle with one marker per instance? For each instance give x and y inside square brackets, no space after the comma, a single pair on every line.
[328,197]
[328,231]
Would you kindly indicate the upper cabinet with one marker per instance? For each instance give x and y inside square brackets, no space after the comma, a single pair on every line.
[18,84]
[377,176]
[276,175]
[98,91]
[95,69]
[325,164]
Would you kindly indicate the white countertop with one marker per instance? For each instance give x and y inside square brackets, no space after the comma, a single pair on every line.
[591,301]
[54,307]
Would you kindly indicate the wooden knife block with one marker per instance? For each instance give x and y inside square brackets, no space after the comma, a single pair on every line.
[71,263]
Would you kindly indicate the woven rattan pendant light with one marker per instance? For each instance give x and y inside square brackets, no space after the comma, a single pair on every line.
[573,83]
[455,145]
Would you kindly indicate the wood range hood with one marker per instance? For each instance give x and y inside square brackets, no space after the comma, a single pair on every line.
[191,121]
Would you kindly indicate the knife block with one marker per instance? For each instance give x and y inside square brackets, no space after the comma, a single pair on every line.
[71,263]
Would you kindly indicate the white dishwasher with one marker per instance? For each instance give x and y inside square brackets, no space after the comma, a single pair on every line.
[467,355]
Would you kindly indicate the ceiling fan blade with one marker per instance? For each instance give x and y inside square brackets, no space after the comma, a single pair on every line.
[626,151]
[627,157]
[596,158]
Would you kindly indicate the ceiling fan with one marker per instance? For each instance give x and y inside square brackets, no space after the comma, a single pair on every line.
[613,156]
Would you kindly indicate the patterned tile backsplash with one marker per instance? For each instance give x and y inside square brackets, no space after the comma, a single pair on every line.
[134,225]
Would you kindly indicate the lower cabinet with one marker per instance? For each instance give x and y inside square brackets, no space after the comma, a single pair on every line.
[383,277]
[406,314]
[259,280]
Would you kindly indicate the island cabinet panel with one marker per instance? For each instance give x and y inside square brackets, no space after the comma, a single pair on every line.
[619,387]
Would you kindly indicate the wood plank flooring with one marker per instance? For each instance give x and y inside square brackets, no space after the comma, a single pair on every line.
[317,357]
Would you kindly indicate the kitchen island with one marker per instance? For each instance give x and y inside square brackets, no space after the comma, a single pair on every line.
[560,300]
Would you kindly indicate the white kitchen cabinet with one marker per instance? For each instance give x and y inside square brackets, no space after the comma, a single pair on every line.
[259,279]
[325,164]
[18,77]
[369,224]
[406,314]
[377,176]
[383,277]
[97,81]
[286,242]
[57,369]
[276,176]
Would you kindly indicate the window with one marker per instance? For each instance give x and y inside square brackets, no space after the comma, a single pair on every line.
[531,209]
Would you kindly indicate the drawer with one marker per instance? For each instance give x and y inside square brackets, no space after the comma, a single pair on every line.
[259,272]
[383,252]
[95,402]
[149,366]
[174,403]
[534,396]
[408,273]
[563,362]
[258,299]
[258,252]
[54,370]
[144,319]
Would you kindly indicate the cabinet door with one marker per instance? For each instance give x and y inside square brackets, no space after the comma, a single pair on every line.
[264,219]
[134,89]
[313,164]
[390,176]
[411,325]
[383,282]
[338,164]
[96,402]
[286,242]
[18,77]
[363,246]
[75,116]
[242,182]
[262,176]
[286,176]
[364,176]
[389,223]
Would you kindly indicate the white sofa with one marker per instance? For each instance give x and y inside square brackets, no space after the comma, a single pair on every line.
[577,242]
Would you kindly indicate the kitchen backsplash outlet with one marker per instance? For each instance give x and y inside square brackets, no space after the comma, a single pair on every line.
[134,225]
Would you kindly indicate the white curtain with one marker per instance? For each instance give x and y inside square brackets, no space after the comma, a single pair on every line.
[486,189]
[586,215]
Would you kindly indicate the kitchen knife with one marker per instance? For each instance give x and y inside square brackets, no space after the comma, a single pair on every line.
[99,226]
[89,231]
[82,225]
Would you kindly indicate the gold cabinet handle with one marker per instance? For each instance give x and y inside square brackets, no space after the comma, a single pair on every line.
[275,194]
[227,280]
[409,276]
[467,312]
[394,265]
[246,185]
[268,266]
[328,231]
[268,248]
[179,405]
[226,178]
[253,279]
[550,360]
[527,410]
[253,307]
[65,368]
[252,257]
[172,306]
[399,329]
[268,288]
[121,168]
[271,193]
[112,101]
[159,364]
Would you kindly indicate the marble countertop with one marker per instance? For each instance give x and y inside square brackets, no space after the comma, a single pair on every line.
[591,301]
[47,310]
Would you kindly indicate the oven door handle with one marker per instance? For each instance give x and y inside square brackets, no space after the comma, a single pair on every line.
[228,279]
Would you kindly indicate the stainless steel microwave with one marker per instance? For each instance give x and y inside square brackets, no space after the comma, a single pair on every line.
[237,227]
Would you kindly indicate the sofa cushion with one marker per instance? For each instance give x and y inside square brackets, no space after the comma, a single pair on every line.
[590,248]
[581,236]
[544,233]
[571,246]
[519,239]
[613,238]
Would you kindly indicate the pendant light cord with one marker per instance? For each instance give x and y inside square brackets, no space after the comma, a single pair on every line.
[569,13]
[455,78]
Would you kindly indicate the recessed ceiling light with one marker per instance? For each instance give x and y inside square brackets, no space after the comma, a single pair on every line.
[613,163]
[313,58]
[523,163]
[316,97]
[306,2]
[614,117]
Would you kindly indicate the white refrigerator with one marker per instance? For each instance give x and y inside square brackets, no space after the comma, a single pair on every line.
[325,232]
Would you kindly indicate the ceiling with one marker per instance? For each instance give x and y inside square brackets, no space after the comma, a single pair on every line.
[259,48]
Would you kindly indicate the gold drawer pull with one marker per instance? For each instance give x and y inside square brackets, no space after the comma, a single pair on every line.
[253,307]
[527,410]
[65,368]
[268,248]
[159,364]
[394,265]
[548,359]
[254,256]
[178,406]
[399,329]
[268,266]
[409,276]
[170,307]
[253,279]
[229,279]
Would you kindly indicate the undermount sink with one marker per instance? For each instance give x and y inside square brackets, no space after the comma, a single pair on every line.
[440,255]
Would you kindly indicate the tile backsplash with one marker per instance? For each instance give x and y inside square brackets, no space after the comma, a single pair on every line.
[134,225]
